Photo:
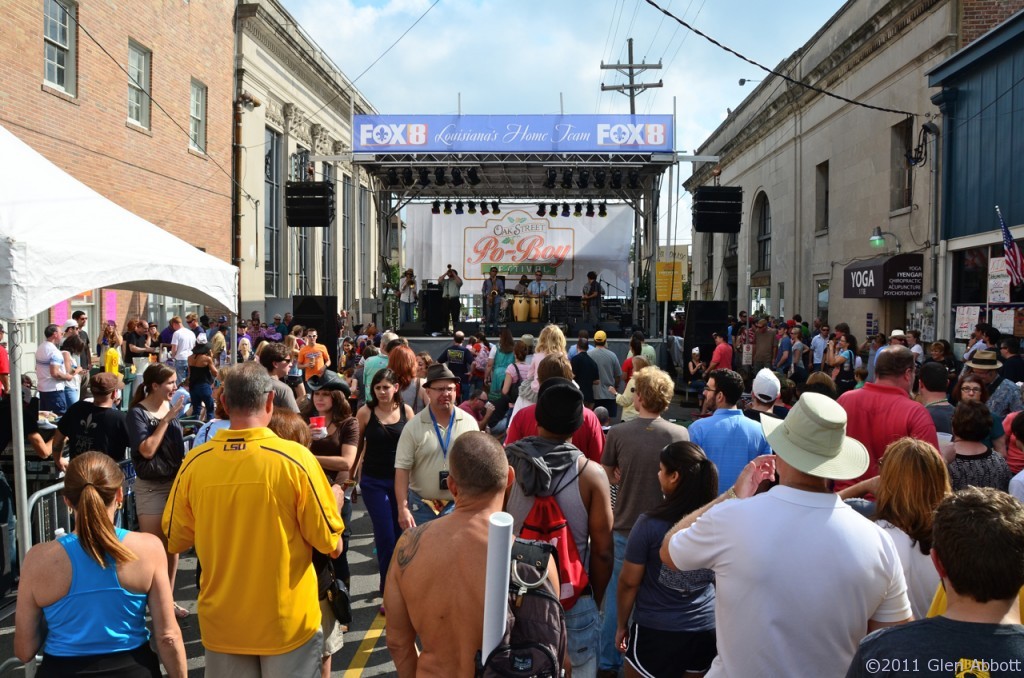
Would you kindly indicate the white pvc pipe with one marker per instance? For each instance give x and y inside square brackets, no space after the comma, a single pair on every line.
[499,559]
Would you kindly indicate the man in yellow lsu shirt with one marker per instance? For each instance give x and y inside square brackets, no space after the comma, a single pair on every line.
[255,506]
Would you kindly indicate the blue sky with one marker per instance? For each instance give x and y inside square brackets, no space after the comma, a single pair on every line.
[544,56]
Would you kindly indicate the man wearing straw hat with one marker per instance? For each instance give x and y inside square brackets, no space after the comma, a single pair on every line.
[1004,395]
[449,626]
[800,576]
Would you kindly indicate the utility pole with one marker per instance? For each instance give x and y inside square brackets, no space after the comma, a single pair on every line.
[630,70]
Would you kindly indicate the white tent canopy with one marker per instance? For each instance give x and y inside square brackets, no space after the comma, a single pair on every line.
[56,242]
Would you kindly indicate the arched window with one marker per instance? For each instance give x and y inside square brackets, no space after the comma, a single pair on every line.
[763,219]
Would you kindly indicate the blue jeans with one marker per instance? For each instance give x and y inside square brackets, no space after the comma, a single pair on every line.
[70,396]
[611,658]
[583,627]
[181,369]
[379,495]
[202,394]
[406,308]
[492,315]
[53,401]
[422,513]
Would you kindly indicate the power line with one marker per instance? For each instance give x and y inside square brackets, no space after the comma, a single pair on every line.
[785,77]
[156,103]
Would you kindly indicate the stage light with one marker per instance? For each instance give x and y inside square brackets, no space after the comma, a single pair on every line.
[567,178]
[554,210]
[457,179]
[473,176]
[472,207]
[439,176]
[483,207]
[541,209]
[424,177]
[578,212]
[447,206]
[602,210]
[590,208]
[634,179]
[599,178]
[565,209]
[495,207]
[616,179]
[392,176]
[407,176]
[458,208]
[436,209]
[584,179]
[552,178]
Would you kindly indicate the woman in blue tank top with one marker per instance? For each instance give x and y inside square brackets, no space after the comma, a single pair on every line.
[91,589]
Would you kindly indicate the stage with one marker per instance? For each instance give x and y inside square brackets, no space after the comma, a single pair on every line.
[620,347]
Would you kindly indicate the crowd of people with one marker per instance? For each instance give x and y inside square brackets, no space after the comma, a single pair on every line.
[826,495]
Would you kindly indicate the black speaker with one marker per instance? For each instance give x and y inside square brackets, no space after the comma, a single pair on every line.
[413,329]
[717,209]
[321,312]
[432,311]
[519,329]
[704,318]
[468,329]
[309,204]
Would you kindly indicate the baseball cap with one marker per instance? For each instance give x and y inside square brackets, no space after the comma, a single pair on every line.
[103,383]
[696,349]
[600,337]
[69,323]
[766,386]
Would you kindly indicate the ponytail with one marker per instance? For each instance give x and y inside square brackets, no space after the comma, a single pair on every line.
[90,486]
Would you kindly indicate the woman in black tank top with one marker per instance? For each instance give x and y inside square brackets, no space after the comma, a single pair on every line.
[381,421]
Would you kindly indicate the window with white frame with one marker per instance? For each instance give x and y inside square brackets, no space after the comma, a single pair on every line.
[138,84]
[197,117]
[901,177]
[59,49]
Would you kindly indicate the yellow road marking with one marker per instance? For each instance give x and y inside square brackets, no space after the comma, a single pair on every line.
[355,668]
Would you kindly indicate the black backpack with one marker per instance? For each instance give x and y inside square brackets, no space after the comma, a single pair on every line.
[534,643]
[513,389]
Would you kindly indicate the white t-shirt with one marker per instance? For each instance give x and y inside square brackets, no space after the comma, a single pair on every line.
[1017,486]
[918,352]
[918,570]
[47,354]
[184,340]
[797,577]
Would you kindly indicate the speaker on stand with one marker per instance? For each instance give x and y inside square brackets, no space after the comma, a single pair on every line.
[320,312]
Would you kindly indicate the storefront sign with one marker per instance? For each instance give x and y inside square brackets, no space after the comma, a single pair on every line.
[897,277]
[669,280]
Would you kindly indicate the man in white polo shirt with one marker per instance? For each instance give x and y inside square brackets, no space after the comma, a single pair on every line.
[182,342]
[800,577]
[50,372]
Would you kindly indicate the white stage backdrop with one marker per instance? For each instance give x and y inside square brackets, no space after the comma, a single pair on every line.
[517,241]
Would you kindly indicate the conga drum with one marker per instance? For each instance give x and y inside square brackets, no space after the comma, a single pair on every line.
[535,307]
[520,308]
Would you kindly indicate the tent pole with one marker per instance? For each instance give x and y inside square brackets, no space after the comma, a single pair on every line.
[18,444]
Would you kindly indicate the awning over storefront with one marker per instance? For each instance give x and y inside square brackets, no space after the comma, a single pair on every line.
[897,277]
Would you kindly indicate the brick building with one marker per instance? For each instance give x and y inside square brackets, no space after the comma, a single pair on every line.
[134,100]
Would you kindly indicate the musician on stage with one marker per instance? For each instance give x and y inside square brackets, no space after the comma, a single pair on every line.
[539,288]
[493,291]
[407,295]
[592,294]
[523,288]
[451,283]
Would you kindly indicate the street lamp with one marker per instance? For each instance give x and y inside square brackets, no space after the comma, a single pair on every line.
[877,238]
[744,81]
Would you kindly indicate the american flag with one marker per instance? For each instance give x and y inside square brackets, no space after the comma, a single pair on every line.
[1014,261]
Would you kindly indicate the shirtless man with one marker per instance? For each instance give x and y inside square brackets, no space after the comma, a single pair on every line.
[449,626]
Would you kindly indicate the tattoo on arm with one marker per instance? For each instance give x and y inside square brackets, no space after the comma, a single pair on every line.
[409,544]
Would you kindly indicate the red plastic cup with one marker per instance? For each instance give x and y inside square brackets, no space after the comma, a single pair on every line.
[318,422]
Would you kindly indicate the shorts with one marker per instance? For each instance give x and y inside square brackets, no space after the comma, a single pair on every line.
[654,653]
[151,496]
[141,662]
[302,662]
[333,630]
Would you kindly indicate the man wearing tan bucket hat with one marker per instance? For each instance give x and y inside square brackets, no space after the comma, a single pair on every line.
[800,576]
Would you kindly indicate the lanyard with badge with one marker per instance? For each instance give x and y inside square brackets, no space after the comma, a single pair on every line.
[442,476]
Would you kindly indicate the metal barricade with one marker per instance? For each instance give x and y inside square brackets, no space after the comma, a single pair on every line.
[49,513]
